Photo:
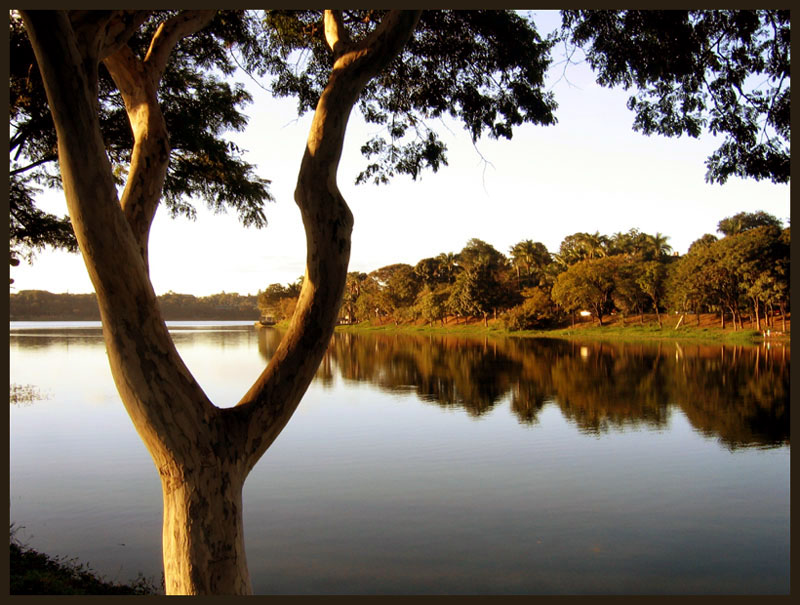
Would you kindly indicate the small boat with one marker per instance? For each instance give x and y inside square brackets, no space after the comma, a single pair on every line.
[265,322]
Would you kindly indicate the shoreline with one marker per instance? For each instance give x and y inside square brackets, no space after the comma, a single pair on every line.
[617,330]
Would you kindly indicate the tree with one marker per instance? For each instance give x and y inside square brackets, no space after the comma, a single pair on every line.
[656,246]
[689,285]
[273,301]
[401,68]
[530,255]
[744,221]
[580,246]
[203,453]
[628,295]
[652,281]
[480,287]
[756,254]
[429,272]
[432,303]
[397,288]
[351,293]
[588,284]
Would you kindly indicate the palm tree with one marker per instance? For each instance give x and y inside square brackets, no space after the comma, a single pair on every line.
[447,266]
[531,255]
[657,245]
[594,245]
[522,255]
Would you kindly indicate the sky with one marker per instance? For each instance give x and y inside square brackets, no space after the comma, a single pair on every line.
[590,172]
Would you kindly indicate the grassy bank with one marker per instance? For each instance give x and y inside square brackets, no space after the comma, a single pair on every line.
[35,573]
[705,330]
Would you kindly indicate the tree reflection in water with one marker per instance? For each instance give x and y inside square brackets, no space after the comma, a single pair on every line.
[738,394]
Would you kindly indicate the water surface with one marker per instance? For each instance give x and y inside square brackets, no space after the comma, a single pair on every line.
[432,465]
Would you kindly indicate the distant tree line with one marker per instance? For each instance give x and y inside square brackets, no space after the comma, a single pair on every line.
[743,273]
[40,305]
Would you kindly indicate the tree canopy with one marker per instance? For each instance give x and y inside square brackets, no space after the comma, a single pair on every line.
[724,72]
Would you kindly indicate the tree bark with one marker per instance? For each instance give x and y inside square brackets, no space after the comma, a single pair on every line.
[757,316]
[203,453]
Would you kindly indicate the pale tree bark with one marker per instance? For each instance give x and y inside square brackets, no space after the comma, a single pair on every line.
[138,80]
[203,453]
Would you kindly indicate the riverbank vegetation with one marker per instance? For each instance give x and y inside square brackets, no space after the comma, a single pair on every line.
[35,573]
[630,279]
[627,285]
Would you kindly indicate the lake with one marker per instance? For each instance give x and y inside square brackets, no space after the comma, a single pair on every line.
[435,464]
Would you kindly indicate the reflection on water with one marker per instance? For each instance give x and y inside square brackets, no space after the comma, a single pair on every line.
[739,394]
[437,464]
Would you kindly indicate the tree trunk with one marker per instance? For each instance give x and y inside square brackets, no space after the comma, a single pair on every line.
[757,316]
[203,453]
[203,533]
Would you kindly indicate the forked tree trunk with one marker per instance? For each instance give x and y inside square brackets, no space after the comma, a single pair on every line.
[203,453]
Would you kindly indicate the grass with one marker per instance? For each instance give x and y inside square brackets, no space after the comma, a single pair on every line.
[35,573]
[708,330]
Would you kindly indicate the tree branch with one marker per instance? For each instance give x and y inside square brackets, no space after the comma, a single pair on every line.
[170,33]
[269,404]
[119,29]
[336,33]
[44,160]
[137,81]
[164,401]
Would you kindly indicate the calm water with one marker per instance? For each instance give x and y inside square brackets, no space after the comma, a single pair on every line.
[436,464]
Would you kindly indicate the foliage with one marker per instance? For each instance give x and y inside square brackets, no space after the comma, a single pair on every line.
[534,258]
[536,312]
[747,267]
[588,284]
[432,303]
[42,305]
[482,286]
[744,221]
[277,300]
[436,74]
[35,573]
[725,71]
[634,274]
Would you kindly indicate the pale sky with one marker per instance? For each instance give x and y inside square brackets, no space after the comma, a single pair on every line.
[590,172]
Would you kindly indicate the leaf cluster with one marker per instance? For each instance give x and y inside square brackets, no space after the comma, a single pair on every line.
[489,76]
[725,71]
[199,107]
